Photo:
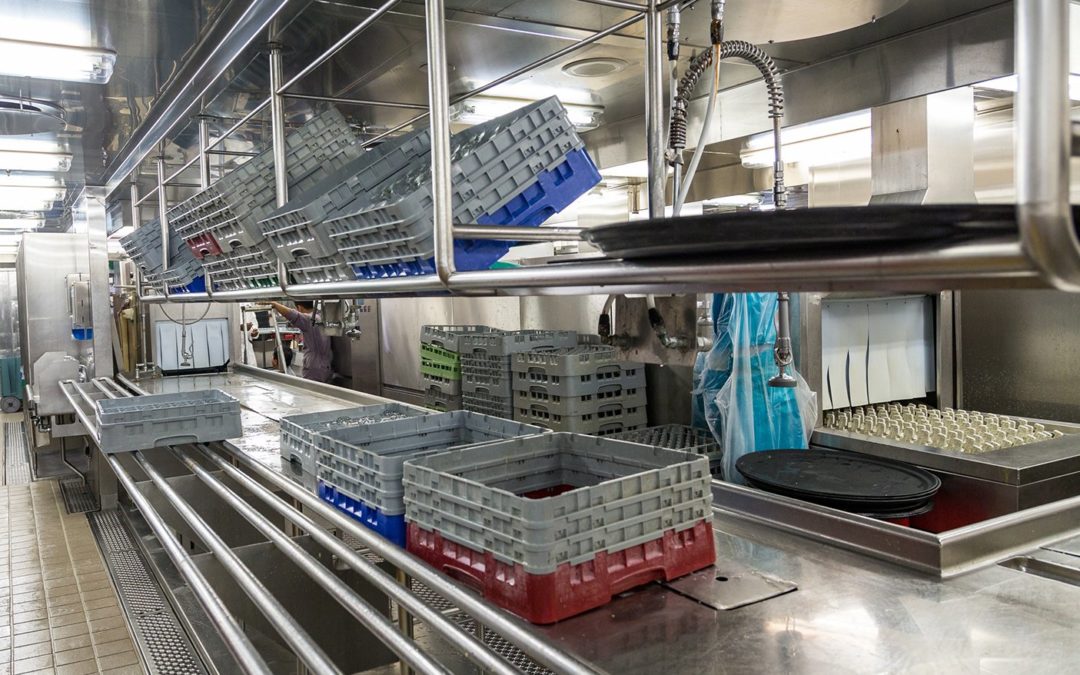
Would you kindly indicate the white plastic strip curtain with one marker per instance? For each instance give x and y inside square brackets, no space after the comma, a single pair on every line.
[732,391]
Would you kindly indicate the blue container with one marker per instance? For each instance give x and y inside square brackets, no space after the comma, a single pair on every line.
[552,192]
[391,528]
[196,286]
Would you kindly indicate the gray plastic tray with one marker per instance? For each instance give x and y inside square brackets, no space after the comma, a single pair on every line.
[298,431]
[624,494]
[367,461]
[448,337]
[498,345]
[488,404]
[145,422]
[440,402]
[606,420]
[592,404]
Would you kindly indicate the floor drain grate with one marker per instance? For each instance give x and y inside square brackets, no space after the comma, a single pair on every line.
[161,639]
[77,496]
[16,455]
[505,649]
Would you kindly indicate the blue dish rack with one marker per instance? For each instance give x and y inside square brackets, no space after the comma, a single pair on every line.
[391,528]
[552,192]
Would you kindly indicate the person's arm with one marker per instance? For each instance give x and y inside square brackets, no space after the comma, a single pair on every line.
[301,321]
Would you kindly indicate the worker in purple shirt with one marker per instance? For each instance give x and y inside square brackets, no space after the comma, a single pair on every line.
[316,344]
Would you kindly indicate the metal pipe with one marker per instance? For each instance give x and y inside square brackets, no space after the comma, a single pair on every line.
[277,137]
[569,49]
[136,221]
[163,222]
[186,165]
[336,47]
[996,260]
[204,182]
[654,109]
[342,593]
[476,651]
[508,627]
[204,158]
[439,101]
[782,350]
[232,153]
[517,233]
[305,648]
[1044,141]
[619,4]
[241,122]
[141,200]
[247,657]
[358,101]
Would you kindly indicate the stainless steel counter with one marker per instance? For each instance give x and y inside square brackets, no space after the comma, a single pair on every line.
[850,613]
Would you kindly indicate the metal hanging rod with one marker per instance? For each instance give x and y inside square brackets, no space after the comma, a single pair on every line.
[358,101]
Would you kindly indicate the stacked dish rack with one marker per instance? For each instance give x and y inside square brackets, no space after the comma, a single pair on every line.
[185,274]
[486,358]
[552,526]
[584,389]
[440,364]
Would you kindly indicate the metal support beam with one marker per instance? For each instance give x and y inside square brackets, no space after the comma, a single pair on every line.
[439,100]
[358,101]
[654,109]
[517,233]
[1044,141]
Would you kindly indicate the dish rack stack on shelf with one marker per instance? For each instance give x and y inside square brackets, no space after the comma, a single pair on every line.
[486,358]
[220,223]
[185,274]
[584,389]
[373,217]
[440,364]
[552,526]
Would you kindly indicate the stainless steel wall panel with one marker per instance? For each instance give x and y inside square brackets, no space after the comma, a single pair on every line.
[400,320]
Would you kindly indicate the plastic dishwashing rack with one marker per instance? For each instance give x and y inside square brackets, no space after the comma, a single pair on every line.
[486,379]
[360,468]
[678,437]
[220,223]
[145,422]
[440,363]
[298,432]
[374,220]
[185,274]
[555,525]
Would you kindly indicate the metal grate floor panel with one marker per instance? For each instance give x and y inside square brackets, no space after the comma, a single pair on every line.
[77,496]
[16,455]
[500,646]
[158,632]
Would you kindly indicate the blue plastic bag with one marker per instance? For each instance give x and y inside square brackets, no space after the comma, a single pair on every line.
[743,412]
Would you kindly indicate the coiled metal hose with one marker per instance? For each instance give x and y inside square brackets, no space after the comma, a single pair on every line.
[699,65]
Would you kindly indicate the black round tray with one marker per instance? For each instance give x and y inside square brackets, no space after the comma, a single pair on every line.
[801,230]
[843,480]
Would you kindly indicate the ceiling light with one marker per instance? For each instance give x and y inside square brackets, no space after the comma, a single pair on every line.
[56,62]
[28,198]
[479,109]
[597,67]
[20,224]
[23,160]
[835,140]
[1011,83]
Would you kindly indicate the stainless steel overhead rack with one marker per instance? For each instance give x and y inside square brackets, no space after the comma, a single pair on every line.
[1046,252]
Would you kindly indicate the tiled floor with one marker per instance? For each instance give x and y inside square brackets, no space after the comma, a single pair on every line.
[58,610]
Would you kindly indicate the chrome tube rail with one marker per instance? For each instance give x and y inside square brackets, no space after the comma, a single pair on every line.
[236,641]
[300,508]
[1047,249]
[506,626]
[303,645]
[348,598]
